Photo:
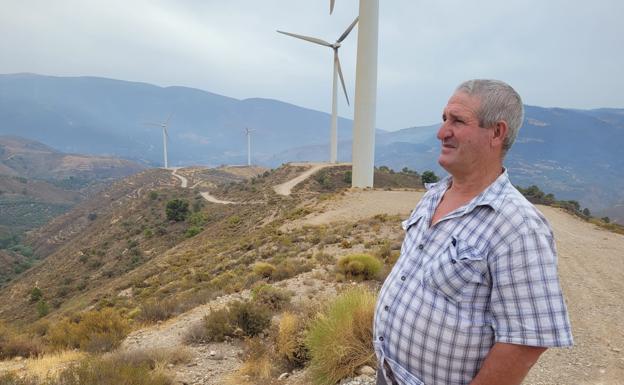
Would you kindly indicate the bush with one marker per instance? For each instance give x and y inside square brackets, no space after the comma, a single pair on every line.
[193,231]
[290,341]
[13,345]
[35,294]
[252,318]
[340,338]
[154,311]
[94,331]
[217,325]
[359,266]
[264,269]
[177,210]
[110,371]
[272,297]
[429,177]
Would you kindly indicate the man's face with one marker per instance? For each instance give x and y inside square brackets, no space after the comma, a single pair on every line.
[466,147]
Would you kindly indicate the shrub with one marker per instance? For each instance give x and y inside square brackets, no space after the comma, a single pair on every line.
[429,177]
[217,325]
[272,297]
[177,210]
[153,195]
[192,231]
[42,308]
[94,331]
[252,318]
[359,266]
[264,269]
[111,370]
[340,338]
[35,294]
[154,311]
[290,340]
[257,362]
[12,345]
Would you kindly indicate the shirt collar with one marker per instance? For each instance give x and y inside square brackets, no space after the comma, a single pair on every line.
[492,196]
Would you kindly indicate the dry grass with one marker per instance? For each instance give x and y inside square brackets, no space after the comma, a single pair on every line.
[340,338]
[51,364]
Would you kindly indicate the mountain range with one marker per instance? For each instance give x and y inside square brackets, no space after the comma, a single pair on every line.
[569,152]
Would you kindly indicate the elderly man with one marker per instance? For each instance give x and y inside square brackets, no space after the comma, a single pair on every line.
[474,298]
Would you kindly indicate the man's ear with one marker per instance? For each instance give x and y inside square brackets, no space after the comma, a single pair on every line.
[499,134]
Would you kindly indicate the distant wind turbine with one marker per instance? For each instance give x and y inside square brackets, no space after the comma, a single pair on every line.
[248,132]
[333,149]
[164,125]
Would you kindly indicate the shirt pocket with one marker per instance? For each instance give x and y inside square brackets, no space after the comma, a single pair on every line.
[458,269]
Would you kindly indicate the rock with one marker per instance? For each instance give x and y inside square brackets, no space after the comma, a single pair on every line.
[366,370]
[212,353]
[170,366]
[18,358]
[283,376]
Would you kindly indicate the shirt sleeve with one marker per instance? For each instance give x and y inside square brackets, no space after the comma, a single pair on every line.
[526,300]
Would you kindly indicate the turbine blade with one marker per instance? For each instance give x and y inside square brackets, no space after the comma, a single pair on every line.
[347,31]
[344,88]
[307,38]
[331,6]
[169,118]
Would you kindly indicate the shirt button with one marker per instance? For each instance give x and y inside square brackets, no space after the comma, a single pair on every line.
[386,307]
[380,338]
[421,246]
[403,278]
[453,261]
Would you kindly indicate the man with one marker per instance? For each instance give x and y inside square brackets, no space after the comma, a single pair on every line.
[474,298]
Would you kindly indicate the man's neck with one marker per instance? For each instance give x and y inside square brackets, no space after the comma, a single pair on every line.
[469,186]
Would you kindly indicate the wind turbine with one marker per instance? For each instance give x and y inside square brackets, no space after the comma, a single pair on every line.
[248,132]
[333,149]
[164,125]
[365,109]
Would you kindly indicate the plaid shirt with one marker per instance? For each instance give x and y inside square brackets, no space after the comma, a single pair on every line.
[485,273]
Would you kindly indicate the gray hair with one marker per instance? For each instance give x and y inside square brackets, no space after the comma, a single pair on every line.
[498,102]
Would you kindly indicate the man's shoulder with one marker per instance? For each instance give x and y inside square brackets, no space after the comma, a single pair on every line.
[518,212]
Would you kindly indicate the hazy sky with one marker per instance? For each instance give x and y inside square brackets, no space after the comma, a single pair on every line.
[562,53]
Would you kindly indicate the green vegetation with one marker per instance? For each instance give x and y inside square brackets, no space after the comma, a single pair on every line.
[270,296]
[429,177]
[537,196]
[94,331]
[340,338]
[177,210]
[359,266]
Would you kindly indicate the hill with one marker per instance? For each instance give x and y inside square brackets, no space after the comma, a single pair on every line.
[121,260]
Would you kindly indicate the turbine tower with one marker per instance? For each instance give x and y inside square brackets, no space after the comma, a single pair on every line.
[365,108]
[248,132]
[333,149]
[164,125]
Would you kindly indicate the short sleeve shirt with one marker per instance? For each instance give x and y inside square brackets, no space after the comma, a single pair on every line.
[485,273]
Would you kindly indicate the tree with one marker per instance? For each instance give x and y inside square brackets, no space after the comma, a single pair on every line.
[429,177]
[586,212]
[606,219]
[177,210]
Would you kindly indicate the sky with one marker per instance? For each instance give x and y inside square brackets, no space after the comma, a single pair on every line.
[555,53]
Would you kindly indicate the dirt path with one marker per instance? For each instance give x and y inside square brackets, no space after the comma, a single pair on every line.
[286,188]
[184,181]
[212,199]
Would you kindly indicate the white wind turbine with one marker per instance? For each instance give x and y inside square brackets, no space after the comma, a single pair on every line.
[248,132]
[365,109]
[333,149]
[164,125]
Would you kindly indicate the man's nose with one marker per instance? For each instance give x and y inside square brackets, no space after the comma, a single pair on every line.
[443,131]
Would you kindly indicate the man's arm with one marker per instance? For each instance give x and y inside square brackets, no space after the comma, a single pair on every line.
[507,364]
